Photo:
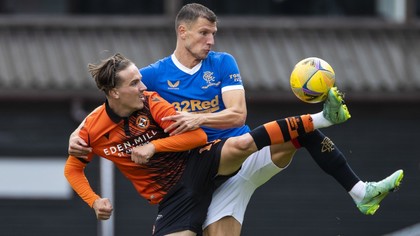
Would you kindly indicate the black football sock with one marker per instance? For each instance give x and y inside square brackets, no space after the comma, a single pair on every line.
[327,155]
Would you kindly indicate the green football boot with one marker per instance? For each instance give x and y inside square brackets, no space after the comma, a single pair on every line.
[377,191]
[335,110]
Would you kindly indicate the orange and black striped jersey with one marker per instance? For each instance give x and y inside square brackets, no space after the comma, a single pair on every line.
[113,137]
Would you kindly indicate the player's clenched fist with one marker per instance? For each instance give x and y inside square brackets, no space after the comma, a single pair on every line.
[142,154]
[103,208]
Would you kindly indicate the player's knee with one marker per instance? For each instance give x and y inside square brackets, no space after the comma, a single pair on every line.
[243,143]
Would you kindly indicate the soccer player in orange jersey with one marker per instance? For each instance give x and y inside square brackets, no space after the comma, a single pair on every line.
[129,131]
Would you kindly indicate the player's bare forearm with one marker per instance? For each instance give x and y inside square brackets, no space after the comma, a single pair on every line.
[228,118]
[234,115]
[184,121]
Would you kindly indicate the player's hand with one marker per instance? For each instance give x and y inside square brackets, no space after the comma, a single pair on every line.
[78,147]
[183,122]
[142,154]
[103,208]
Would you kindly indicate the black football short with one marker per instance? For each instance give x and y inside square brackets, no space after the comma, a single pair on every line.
[185,205]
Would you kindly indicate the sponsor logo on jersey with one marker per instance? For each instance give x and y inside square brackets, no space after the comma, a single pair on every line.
[236,77]
[173,85]
[209,78]
[198,106]
[124,149]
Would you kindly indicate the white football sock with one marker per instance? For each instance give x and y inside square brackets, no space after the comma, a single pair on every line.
[358,191]
[320,121]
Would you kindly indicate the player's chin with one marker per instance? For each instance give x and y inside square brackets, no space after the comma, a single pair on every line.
[204,54]
[140,105]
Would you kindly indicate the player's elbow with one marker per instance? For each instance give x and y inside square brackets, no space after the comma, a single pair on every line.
[240,120]
[68,170]
[71,169]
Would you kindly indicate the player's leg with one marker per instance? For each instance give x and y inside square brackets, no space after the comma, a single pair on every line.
[237,149]
[183,233]
[227,209]
[330,159]
[334,112]
[226,226]
[282,154]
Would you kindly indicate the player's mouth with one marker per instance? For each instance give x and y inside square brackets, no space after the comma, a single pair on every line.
[142,97]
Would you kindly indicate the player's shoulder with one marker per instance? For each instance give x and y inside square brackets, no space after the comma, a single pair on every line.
[150,94]
[158,64]
[96,113]
[152,97]
[95,119]
[220,59]
[215,55]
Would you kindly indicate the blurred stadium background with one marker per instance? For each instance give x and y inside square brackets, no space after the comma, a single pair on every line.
[45,91]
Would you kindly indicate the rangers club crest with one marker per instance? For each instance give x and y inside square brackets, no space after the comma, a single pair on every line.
[209,78]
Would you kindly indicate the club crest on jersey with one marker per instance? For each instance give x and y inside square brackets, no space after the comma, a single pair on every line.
[143,122]
[173,85]
[209,78]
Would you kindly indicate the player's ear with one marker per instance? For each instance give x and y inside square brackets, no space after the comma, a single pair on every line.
[182,29]
[114,93]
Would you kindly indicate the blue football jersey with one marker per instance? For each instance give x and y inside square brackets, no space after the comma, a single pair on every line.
[196,90]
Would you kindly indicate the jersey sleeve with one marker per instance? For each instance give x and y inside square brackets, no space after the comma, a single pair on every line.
[74,167]
[232,78]
[182,142]
[75,175]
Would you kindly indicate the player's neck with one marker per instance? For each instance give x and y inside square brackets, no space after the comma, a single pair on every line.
[119,109]
[186,59]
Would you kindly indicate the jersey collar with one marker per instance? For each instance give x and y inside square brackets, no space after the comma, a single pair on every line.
[112,115]
[184,68]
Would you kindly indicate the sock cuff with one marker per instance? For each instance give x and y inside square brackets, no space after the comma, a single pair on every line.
[296,143]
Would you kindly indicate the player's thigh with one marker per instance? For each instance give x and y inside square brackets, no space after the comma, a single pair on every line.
[183,233]
[226,226]
[282,154]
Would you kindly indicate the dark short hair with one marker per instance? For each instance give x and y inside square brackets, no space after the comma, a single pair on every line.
[189,13]
[105,73]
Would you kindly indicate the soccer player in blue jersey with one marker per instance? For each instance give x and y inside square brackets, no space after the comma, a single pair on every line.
[206,88]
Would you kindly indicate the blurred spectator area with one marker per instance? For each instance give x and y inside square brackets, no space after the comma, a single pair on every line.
[46,45]
[345,8]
